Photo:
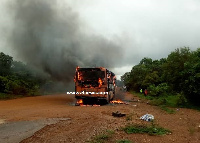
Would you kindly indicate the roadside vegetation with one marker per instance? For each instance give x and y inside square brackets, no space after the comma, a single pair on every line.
[101,138]
[18,79]
[107,137]
[148,129]
[170,82]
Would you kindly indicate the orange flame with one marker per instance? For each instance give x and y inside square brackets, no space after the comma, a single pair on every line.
[79,76]
[80,102]
[100,82]
[118,101]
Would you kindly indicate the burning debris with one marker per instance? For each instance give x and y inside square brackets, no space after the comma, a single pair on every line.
[118,101]
[80,102]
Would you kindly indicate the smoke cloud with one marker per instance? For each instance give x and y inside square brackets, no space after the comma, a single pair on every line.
[50,37]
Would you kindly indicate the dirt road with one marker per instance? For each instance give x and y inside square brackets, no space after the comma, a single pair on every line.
[54,118]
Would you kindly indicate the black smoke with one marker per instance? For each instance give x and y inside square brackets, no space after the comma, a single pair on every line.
[50,37]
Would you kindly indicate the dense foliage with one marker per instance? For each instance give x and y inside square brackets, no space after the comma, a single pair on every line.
[18,78]
[177,75]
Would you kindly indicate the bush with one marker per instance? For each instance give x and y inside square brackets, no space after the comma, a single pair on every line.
[159,90]
[177,100]
[141,129]
[3,82]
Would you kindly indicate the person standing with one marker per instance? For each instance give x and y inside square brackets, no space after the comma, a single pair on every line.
[141,90]
[145,92]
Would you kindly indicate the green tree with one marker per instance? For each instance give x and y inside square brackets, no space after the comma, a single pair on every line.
[174,67]
[5,64]
[178,74]
[191,77]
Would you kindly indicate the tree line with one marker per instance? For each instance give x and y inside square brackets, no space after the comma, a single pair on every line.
[177,75]
[17,78]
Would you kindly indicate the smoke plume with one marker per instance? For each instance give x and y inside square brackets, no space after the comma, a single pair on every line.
[50,37]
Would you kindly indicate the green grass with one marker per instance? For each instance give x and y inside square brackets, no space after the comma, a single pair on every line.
[168,110]
[124,141]
[102,137]
[168,100]
[164,102]
[141,95]
[142,129]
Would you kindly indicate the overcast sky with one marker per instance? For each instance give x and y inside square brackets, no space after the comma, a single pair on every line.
[145,28]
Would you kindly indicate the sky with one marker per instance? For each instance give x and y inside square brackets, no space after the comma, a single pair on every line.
[137,29]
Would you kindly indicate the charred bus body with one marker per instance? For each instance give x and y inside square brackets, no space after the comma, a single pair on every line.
[94,84]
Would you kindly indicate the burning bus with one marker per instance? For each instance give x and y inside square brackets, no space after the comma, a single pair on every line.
[94,84]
